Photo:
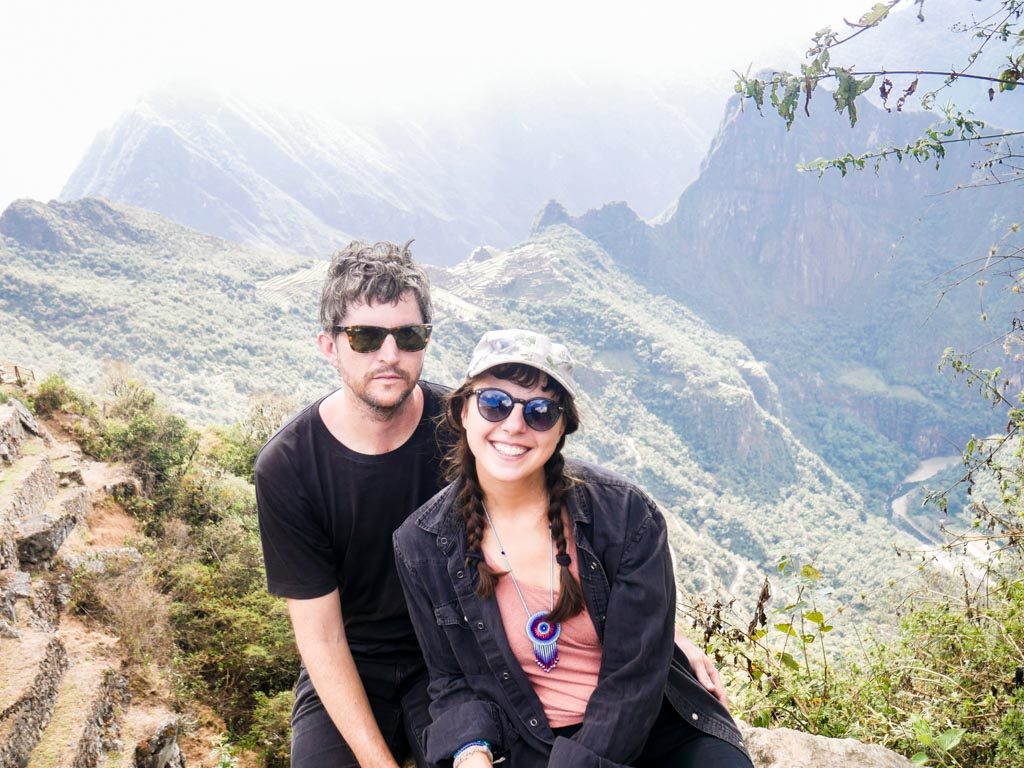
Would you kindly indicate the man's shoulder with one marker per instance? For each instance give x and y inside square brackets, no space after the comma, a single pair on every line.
[276,453]
[434,396]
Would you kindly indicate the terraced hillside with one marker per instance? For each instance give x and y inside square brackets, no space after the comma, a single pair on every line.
[64,699]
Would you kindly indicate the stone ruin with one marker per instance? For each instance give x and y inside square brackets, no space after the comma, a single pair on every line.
[64,700]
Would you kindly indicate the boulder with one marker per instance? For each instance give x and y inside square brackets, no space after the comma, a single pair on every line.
[161,749]
[786,748]
[25,416]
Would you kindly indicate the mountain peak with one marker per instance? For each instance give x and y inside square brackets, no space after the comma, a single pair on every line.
[75,225]
[551,214]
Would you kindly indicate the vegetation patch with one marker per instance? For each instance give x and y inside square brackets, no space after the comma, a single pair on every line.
[870,381]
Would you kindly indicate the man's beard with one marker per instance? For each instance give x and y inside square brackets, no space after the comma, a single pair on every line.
[380,410]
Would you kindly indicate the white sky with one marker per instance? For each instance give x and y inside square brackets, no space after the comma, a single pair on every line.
[69,67]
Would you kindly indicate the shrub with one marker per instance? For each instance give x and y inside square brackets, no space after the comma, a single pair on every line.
[945,690]
[55,394]
[240,443]
[208,494]
[270,734]
[232,645]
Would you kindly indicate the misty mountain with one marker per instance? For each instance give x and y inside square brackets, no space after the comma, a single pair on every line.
[309,183]
[690,412]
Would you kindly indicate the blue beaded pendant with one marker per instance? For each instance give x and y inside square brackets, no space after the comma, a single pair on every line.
[544,636]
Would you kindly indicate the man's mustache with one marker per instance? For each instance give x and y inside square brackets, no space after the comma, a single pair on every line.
[404,375]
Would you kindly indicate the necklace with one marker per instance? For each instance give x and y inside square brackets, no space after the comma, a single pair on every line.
[543,634]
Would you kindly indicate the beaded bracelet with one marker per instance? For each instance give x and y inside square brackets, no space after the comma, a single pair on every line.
[471,748]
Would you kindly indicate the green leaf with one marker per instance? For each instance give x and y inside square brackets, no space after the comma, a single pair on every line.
[786,629]
[808,571]
[863,85]
[878,12]
[919,759]
[950,738]
[789,661]
[816,616]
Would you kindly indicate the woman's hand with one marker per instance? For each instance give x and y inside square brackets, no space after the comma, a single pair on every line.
[476,760]
[704,668]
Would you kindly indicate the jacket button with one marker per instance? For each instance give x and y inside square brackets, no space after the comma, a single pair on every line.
[479,625]
[505,676]
[443,541]
[459,574]
[533,722]
[693,716]
[593,565]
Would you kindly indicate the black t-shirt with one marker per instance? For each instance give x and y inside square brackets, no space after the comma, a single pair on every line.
[326,517]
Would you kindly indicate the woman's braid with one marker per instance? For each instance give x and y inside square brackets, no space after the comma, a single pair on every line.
[570,599]
[470,504]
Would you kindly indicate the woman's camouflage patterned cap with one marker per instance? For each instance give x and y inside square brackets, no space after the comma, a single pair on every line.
[527,347]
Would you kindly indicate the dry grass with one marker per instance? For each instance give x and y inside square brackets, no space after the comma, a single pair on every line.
[125,599]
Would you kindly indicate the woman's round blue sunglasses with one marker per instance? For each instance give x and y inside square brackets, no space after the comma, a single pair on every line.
[539,413]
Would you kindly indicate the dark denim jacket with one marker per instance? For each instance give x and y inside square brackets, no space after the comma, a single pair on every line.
[478,689]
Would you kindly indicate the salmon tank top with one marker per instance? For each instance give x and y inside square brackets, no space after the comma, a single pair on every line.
[565,690]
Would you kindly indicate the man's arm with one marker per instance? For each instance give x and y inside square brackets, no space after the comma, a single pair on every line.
[320,636]
[703,668]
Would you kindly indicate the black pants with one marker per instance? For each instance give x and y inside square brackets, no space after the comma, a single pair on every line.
[398,698]
[674,743]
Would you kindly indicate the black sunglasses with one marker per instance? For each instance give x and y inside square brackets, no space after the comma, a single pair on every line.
[369,338]
[539,413]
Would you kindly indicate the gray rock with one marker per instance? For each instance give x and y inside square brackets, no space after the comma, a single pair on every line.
[40,536]
[12,433]
[13,585]
[161,750]
[786,748]
[99,561]
[123,488]
[25,416]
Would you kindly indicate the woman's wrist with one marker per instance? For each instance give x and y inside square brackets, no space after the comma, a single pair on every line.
[471,753]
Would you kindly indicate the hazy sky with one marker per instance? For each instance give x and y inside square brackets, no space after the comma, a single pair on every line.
[68,68]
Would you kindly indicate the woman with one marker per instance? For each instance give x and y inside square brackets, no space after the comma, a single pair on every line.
[542,594]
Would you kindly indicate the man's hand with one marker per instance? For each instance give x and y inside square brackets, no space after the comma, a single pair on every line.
[704,668]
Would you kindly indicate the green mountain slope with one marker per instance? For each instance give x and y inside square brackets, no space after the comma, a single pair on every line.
[88,281]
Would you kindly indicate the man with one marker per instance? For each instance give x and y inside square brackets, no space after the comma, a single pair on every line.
[332,486]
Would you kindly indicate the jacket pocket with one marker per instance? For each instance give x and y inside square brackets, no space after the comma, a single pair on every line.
[449,614]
